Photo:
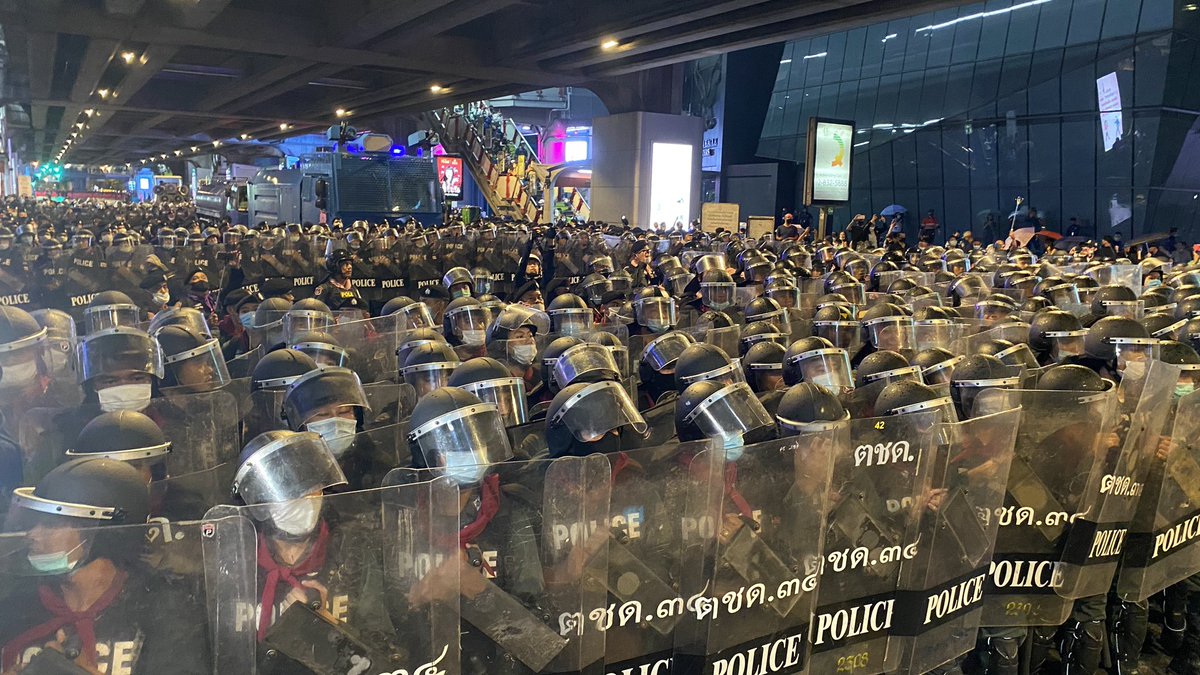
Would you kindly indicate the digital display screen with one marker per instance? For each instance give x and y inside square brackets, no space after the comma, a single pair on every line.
[1108,95]
[143,183]
[827,169]
[670,183]
[575,151]
[450,175]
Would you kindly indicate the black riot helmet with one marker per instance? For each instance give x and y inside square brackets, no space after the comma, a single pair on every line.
[792,374]
[492,382]
[936,364]
[907,396]
[570,314]
[703,361]
[322,347]
[717,289]
[1188,308]
[761,331]
[465,321]
[267,328]
[974,374]
[109,309]
[730,412]
[281,466]
[192,361]
[415,338]
[765,309]
[590,417]
[280,368]
[459,282]
[1178,354]
[885,365]
[827,367]
[1108,337]
[429,366]
[715,319]
[549,356]
[887,326]
[585,362]
[335,260]
[321,389]
[125,436]
[1072,377]
[306,314]
[593,288]
[763,366]
[23,344]
[1163,325]
[86,493]
[1106,296]
[413,314]
[807,408]
[458,435]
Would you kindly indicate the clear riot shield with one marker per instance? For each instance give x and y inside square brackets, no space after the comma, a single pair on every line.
[875,507]
[243,365]
[389,402]
[752,532]
[1012,331]
[645,554]
[1124,275]
[941,598]
[188,496]
[725,338]
[373,453]
[533,580]
[153,622]
[1094,545]
[1162,546]
[371,344]
[202,428]
[375,590]
[1059,450]
[44,440]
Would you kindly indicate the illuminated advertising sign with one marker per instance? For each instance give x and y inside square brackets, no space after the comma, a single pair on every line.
[450,175]
[670,184]
[1108,96]
[827,165]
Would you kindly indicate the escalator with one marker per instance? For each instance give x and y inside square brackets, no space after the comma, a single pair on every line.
[502,162]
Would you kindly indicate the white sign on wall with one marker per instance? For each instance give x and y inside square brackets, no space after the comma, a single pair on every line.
[1108,94]
[827,166]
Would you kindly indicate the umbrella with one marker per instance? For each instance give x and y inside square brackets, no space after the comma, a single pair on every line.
[1147,239]
[1052,236]
[892,210]
[1022,236]
[1071,241]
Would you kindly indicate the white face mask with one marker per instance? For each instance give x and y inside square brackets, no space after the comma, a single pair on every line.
[524,354]
[16,375]
[162,298]
[297,517]
[125,397]
[1134,369]
[473,338]
[825,381]
[338,433]
[461,468]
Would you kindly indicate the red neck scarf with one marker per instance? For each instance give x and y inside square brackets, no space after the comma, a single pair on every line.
[488,508]
[276,572]
[84,622]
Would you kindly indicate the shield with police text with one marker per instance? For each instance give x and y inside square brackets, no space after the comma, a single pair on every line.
[874,513]
[940,601]
[371,587]
[753,554]
[1162,547]
[1096,540]
[1057,453]
[150,614]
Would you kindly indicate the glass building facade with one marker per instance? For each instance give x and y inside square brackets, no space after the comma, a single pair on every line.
[963,110]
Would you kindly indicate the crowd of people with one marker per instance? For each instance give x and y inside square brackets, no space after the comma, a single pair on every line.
[513,448]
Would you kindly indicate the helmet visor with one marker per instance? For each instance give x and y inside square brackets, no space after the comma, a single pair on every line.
[718,295]
[1064,295]
[110,316]
[1065,343]
[731,411]
[587,360]
[416,315]
[598,409]
[727,374]
[325,354]
[305,321]
[891,332]
[575,321]
[507,394]
[119,350]
[427,377]
[23,360]
[663,352]
[1133,350]
[470,436]
[1018,355]
[1131,309]
[843,334]
[285,467]
[656,312]
[471,318]
[787,296]
[827,368]
[199,369]
[937,333]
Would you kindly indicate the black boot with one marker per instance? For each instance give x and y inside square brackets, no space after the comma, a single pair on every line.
[1081,645]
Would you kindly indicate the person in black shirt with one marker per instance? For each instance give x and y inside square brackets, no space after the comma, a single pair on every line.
[787,230]
[337,292]
[639,266]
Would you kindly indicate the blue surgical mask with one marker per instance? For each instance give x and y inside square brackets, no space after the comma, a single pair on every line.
[247,320]
[734,447]
[1153,282]
[1184,389]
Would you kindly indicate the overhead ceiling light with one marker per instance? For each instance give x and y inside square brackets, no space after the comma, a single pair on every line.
[785,61]
[89,112]
[128,57]
[284,127]
[435,88]
[178,153]
[1191,7]
[244,137]
[195,148]
[610,44]
[891,36]
[341,112]
[818,55]
[216,144]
